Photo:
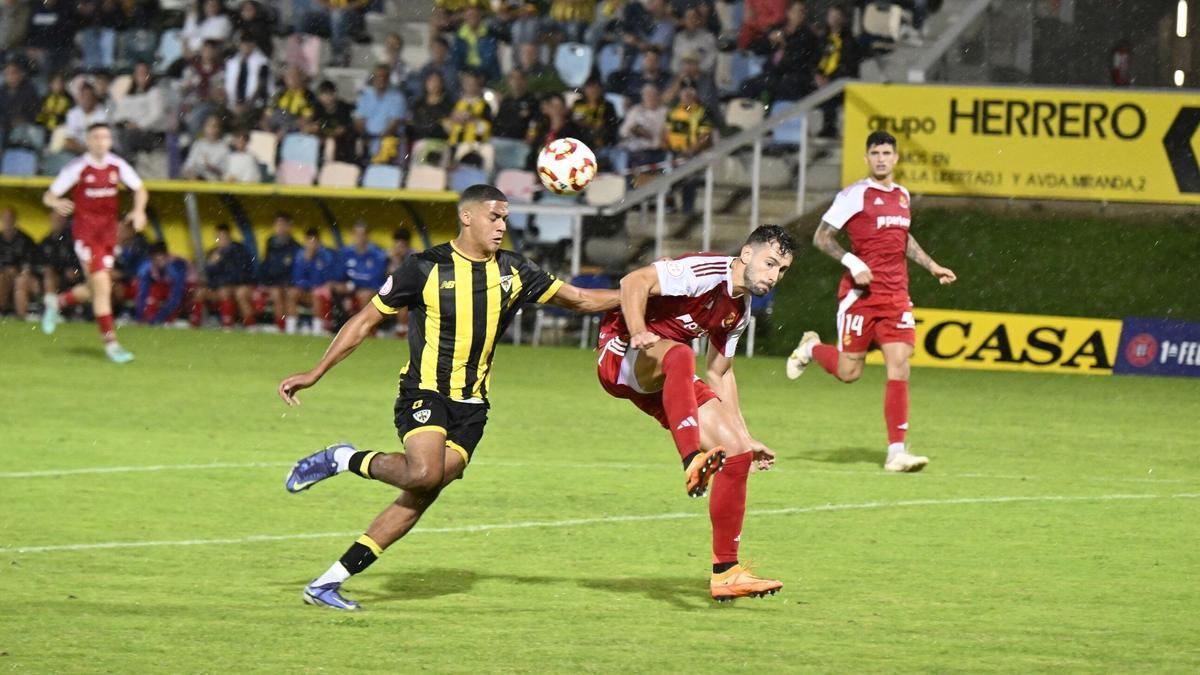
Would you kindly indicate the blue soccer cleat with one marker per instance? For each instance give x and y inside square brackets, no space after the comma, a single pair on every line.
[328,596]
[50,316]
[117,353]
[314,468]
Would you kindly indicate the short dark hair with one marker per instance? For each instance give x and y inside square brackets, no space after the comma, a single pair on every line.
[881,137]
[360,223]
[223,227]
[481,192]
[325,86]
[284,215]
[767,234]
[158,248]
[402,234]
[313,232]
[98,125]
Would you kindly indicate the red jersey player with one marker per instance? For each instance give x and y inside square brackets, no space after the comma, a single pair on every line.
[646,357]
[94,178]
[874,308]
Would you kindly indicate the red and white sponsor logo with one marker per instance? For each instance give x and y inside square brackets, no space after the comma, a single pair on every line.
[1141,350]
[100,193]
[891,221]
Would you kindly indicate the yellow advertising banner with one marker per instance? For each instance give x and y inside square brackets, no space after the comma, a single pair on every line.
[949,338]
[1090,144]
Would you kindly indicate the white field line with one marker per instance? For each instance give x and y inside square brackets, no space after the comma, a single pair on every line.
[572,522]
[501,464]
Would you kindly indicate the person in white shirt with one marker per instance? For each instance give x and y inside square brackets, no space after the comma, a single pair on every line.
[214,24]
[141,115]
[241,166]
[80,118]
[209,154]
[641,132]
[248,80]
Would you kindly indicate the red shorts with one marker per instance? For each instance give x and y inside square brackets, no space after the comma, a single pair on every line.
[615,369]
[861,327]
[94,255]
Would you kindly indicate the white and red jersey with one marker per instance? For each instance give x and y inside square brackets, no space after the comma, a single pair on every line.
[95,194]
[877,219]
[696,299]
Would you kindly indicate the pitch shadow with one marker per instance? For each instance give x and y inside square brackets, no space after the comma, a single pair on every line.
[437,582]
[845,456]
[686,593]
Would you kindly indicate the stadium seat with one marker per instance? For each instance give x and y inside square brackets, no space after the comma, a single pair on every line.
[618,103]
[304,148]
[744,66]
[422,177]
[382,177]
[423,151]
[554,227]
[882,20]
[465,176]
[349,81]
[54,162]
[744,113]
[510,153]
[485,151]
[609,60]
[340,174]
[519,186]
[170,50]
[19,162]
[292,172]
[573,61]
[792,132]
[120,87]
[263,146]
[605,189]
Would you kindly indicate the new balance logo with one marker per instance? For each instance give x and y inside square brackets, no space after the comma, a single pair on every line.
[448,284]
[878,201]
[689,422]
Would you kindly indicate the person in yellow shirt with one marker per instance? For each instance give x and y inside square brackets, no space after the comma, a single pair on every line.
[293,107]
[689,130]
[56,104]
[471,117]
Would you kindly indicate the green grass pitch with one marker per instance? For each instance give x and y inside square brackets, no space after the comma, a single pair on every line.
[1056,527]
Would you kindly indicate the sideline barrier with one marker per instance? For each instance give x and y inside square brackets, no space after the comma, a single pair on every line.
[1159,347]
[948,338]
[1031,142]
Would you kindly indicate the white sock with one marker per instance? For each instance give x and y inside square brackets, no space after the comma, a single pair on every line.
[289,325]
[50,300]
[806,352]
[342,457]
[895,449]
[336,574]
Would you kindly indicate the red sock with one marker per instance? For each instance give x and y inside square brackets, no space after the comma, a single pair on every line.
[279,323]
[227,309]
[827,356]
[197,314]
[679,399]
[895,410]
[66,299]
[727,507]
[105,324]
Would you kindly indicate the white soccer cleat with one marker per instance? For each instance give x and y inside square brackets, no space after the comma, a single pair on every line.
[797,361]
[905,462]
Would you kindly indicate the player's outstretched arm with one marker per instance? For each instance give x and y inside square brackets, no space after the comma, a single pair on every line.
[719,375]
[586,300]
[137,216]
[918,255]
[825,241]
[636,289]
[357,329]
[60,205]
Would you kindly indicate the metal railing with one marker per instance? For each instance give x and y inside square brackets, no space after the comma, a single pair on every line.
[707,160]
[935,61]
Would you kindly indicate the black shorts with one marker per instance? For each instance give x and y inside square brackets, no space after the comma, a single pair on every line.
[423,410]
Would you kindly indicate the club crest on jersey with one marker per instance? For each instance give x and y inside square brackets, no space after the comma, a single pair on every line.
[675,268]
[506,282]
[422,416]
[903,201]
[729,320]
[89,178]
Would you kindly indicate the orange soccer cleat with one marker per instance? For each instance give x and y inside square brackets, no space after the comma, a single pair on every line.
[739,582]
[701,470]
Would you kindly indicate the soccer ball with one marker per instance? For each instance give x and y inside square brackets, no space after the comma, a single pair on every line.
[566,166]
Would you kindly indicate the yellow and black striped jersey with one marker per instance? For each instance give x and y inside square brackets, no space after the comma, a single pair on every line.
[459,307]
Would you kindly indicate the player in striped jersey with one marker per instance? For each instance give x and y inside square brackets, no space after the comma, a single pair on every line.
[461,297]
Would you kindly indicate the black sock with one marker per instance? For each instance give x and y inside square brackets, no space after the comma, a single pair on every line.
[687,461]
[360,555]
[720,567]
[360,462]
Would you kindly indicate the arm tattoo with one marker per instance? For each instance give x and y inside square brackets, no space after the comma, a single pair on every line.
[918,254]
[825,241]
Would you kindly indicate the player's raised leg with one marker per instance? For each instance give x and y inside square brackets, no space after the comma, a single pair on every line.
[430,450]
[895,409]
[719,427]
[670,367]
